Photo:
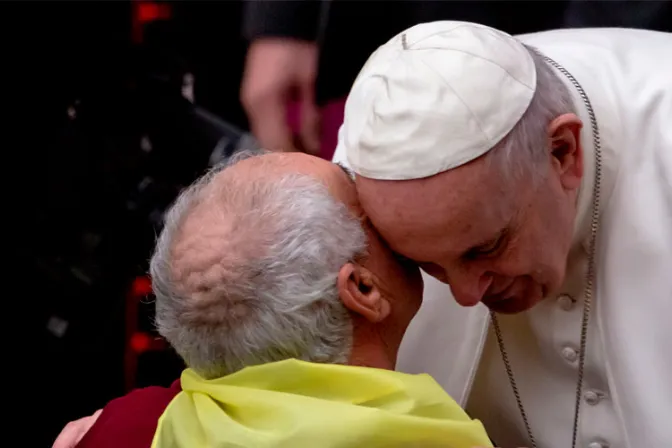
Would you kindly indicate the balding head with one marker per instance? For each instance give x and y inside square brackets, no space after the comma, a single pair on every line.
[245,269]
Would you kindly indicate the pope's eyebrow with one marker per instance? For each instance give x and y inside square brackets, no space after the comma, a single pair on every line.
[477,248]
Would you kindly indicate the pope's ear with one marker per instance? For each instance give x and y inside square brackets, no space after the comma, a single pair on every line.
[359,293]
[564,134]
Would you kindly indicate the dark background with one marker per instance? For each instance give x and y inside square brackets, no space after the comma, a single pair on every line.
[85,196]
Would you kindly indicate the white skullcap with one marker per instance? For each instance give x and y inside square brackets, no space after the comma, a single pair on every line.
[433,98]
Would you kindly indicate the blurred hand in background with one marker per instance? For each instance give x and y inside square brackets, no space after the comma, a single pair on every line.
[279,71]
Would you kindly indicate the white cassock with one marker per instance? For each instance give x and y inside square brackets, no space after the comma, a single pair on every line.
[627,393]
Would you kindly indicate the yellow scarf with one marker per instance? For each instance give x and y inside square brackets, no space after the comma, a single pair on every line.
[296,404]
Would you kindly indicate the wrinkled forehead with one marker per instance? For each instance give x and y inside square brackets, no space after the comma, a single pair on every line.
[460,206]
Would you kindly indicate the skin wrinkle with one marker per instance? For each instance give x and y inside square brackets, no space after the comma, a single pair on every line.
[203,249]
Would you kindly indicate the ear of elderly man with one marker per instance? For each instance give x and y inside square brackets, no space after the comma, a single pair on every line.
[531,180]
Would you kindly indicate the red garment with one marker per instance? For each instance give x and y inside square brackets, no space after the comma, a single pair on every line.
[130,421]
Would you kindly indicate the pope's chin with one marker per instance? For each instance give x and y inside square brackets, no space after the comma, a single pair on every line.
[517,303]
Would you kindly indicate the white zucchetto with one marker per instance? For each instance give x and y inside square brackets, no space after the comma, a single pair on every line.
[435,97]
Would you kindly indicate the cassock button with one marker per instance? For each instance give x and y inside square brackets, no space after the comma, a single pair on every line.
[570,354]
[598,445]
[565,302]
[592,397]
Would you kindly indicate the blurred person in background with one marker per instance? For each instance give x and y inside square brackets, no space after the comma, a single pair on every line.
[289,311]
[309,52]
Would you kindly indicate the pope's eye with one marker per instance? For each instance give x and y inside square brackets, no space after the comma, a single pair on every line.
[490,248]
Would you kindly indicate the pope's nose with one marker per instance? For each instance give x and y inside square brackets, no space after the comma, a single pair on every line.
[469,290]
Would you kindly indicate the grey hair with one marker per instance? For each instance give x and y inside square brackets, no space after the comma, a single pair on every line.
[275,296]
[522,153]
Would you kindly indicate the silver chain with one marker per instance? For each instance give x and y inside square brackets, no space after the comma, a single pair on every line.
[590,275]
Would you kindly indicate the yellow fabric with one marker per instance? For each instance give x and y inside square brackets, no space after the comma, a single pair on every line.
[295,404]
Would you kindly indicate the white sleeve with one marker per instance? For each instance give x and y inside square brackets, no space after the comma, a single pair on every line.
[340,155]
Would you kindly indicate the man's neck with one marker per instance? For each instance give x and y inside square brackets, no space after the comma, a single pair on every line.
[369,349]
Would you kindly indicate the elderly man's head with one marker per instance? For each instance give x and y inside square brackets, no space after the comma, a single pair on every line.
[271,258]
[497,229]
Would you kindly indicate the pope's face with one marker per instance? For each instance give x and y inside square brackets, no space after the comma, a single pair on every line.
[502,244]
